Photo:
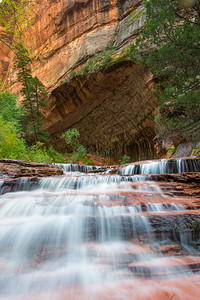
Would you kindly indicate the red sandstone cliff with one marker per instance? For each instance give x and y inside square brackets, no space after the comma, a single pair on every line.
[112,108]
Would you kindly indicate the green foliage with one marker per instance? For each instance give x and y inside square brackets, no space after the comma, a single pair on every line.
[134,53]
[87,161]
[181,115]
[72,74]
[172,34]
[196,150]
[71,138]
[8,108]
[38,153]
[78,154]
[13,147]
[55,155]
[67,154]
[15,16]
[99,61]
[107,55]
[34,96]
[170,46]
[171,152]
[118,57]
[125,159]
[10,145]
[3,86]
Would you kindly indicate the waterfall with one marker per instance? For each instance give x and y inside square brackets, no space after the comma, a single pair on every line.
[76,168]
[88,236]
[164,166]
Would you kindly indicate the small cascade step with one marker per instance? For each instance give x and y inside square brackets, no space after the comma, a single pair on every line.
[164,266]
[77,168]
[162,167]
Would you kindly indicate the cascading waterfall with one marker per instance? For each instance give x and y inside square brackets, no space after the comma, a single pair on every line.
[163,166]
[76,168]
[88,236]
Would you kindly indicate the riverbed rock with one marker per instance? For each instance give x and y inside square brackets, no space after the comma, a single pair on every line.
[15,168]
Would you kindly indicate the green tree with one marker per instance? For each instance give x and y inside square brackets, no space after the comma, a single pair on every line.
[15,17]
[71,138]
[170,46]
[34,95]
[8,108]
[39,95]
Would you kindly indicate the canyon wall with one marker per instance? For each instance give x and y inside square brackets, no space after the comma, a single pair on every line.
[113,108]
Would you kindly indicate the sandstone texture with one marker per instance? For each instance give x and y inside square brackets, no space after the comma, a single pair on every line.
[113,111]
[112,108]
[4,56]
[10,168]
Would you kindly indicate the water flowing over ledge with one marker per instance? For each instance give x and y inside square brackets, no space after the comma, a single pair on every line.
[76,168]
[95,236]
[163,166]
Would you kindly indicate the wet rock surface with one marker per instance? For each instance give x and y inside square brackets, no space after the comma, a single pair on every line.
[131,236]
[16,168]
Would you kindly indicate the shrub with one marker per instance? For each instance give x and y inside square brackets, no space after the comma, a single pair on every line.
[171,151]
[38,153]
[71,138]
[78,154]
[10,145]
[88,161]
[8,108]
[13,147]
[125,159]
[72,74]
[101,60]
[55,155]
[196,150]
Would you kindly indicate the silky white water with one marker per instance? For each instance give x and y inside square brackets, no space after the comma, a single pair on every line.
[78,235]
[162,166]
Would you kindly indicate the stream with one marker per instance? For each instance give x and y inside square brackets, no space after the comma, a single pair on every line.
[100,236]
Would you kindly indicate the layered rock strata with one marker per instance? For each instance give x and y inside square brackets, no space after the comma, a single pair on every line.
[112,108]
[113,111]
[10,168]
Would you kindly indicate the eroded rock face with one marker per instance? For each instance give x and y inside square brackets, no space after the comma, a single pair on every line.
[4,55]
[113,109]
[66,32]
[10,168]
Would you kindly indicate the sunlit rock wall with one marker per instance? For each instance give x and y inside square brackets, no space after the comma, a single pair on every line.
[113,108]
